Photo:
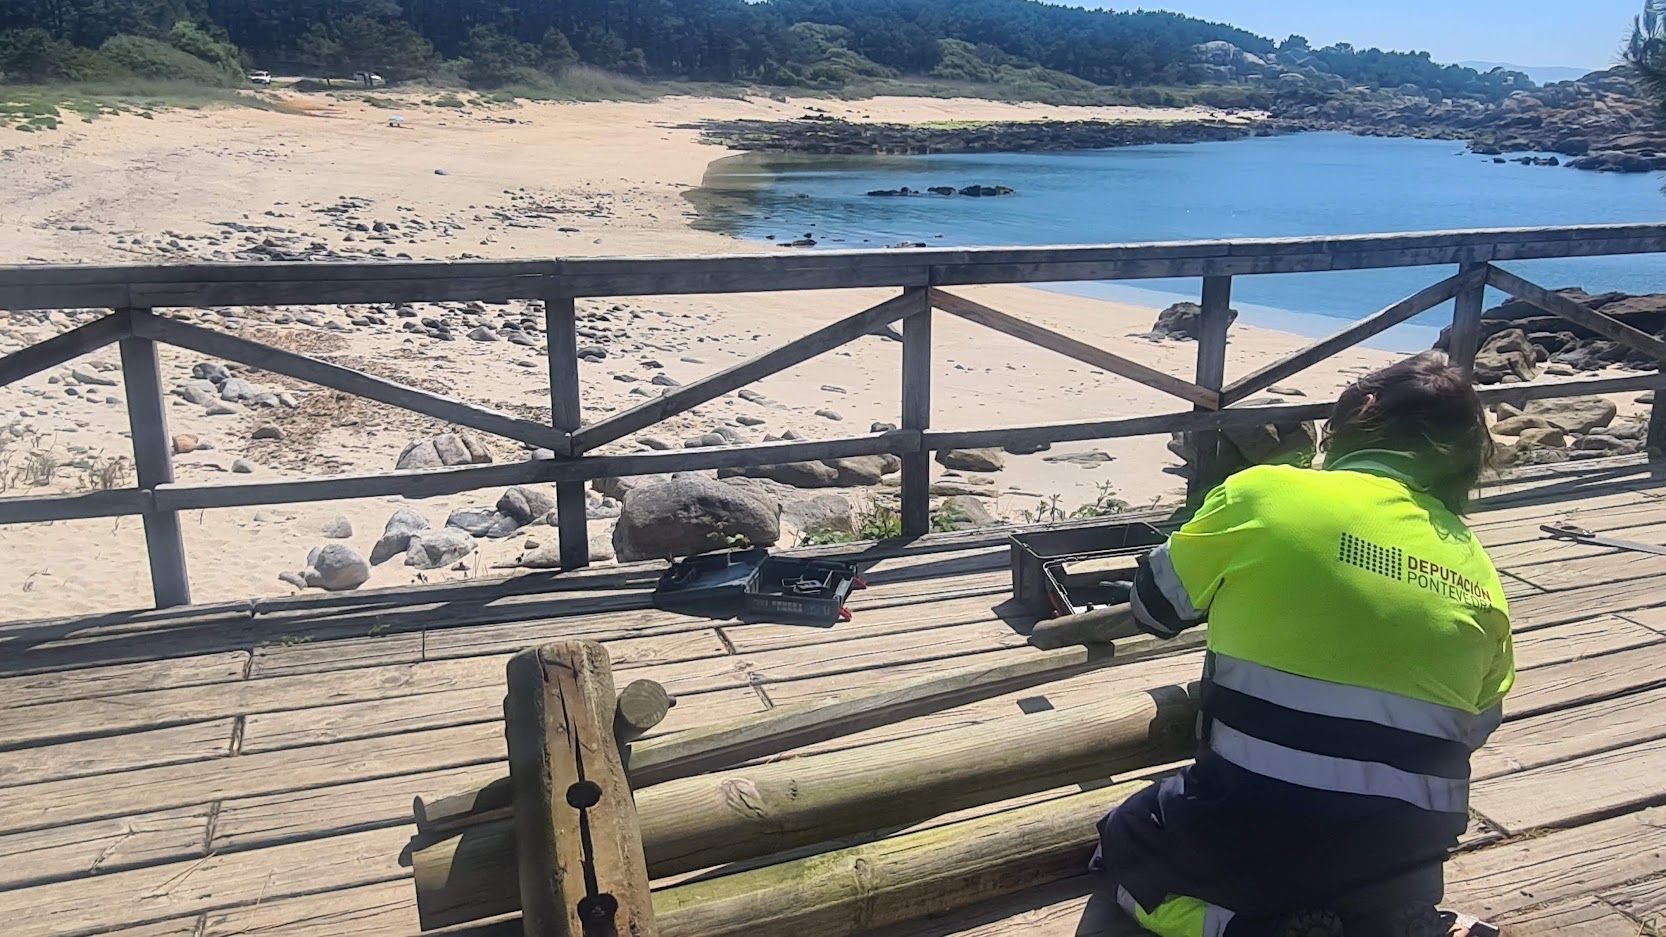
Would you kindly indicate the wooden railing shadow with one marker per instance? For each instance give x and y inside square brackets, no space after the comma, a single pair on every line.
[924,278]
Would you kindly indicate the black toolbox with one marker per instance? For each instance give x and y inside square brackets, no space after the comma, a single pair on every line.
[710,584]
[1038,558]
[793,591]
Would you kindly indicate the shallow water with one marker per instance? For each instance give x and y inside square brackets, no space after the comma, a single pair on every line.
[1304,184]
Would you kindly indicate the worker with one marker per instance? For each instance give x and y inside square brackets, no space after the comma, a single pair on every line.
[1358,652]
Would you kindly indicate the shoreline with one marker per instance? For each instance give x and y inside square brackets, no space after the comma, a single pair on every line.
[534,180]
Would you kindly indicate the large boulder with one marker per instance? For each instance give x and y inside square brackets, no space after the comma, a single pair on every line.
[692,515]
[1243,446]
[1509,357]
[822,514]
[1574,415]
[335,567]
[525,504]
[432,549]
[396,536]
[1184,321]
[972,460]
[443,450]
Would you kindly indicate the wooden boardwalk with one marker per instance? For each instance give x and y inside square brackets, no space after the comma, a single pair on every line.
[249,767]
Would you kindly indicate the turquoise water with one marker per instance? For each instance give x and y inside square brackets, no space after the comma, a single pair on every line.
[1305,184]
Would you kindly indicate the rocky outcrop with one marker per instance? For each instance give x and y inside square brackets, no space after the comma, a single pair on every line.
[692,515]
[847,137]
[1183,321]
[1601,120]
[443,450]
[1559,343]
[848,472]
[1508,358]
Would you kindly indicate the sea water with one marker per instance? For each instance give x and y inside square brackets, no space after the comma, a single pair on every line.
[1300,184]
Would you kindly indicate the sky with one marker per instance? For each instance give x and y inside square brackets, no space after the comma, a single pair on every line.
[1582,33]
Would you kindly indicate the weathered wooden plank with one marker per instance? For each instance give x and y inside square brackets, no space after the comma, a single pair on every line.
[147,418]
[53,803]
[1550,608]
[34,509]
[455,480]
[1643,900]
[87,682]
[347,380]
[1587,917]
[1187,422]
[65,347]
[1574,792]
[1575,571]
[694,393]
[1378,322]
[1532,741]
[163,892]
[915,491]
[318,725]
[385,909]
[192,742]
[1588,679]
[1585,860]
[1581,639]
[1072,348]
[79,849]
[1578,313]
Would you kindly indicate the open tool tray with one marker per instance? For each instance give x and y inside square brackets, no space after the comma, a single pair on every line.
[800,592]
[1033,553]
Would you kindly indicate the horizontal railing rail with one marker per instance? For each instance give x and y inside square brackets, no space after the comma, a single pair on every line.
[134,292]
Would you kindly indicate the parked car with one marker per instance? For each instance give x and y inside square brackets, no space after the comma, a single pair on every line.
[369,79]
[260,78]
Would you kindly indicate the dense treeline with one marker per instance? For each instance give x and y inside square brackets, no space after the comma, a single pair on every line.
[826,43]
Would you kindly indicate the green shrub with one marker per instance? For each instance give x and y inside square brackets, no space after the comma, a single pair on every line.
[150,58]
[198,42]
[33,56]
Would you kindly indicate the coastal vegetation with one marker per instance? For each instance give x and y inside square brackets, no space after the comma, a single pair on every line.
[1022,48]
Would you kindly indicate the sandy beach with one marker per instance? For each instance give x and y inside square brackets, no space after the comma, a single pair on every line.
[526,181]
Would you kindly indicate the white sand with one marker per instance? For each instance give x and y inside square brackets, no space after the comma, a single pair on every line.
[617,172]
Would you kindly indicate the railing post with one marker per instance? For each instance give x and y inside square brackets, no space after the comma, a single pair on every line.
[571,517]
[1211,373]
[1656,443]
[916,413]
[147,419]
[1465,338]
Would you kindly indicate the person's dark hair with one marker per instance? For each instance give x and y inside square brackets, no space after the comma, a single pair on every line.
[1423,405]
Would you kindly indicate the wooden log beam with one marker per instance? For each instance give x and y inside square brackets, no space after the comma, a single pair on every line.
[1072,348]
[641,706]
[725,744]
[916,875]
[1375,324]
[579,850]
[693,394]
[1578,313]
[66,347]
[347,380]
[701,822]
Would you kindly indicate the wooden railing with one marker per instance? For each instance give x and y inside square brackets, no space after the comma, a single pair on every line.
[924,278]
